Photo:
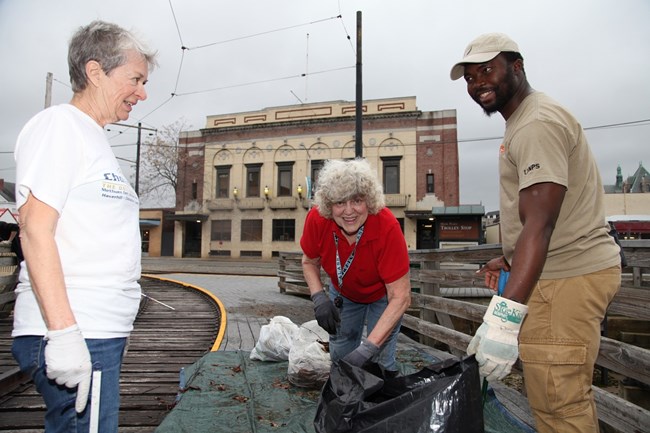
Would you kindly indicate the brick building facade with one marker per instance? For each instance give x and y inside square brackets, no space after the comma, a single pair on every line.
[245,180]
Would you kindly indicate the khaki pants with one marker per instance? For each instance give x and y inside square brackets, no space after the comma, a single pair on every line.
[558,345]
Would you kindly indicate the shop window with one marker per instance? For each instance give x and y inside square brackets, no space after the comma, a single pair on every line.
[316,166]
[253,174]
[223,182]
[284,230]
[220,230]
[145,241]
[251,231]
[430,189]
[285,178]
[391,174]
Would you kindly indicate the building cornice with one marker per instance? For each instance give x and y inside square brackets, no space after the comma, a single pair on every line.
[309,122]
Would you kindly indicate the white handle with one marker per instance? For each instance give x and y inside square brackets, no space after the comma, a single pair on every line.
[94,401]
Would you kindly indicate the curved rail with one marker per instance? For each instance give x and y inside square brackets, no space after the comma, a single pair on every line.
[222,309]
[177,324]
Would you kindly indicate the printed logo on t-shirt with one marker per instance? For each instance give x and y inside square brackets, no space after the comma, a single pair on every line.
[116,187]
[531,167]
[114,177]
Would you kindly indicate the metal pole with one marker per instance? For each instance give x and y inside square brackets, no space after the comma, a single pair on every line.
[137,162]
[48,90]
[138,144]
[358,137]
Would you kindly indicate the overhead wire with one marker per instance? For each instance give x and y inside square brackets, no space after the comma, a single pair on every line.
[461,140]
[347,34]
[254,35]
[178,75]
[178,29]
[345,30]
[157,108]
[184,48]
[250,83]
[61,82]
[305,74]
[618,125]
[642,122]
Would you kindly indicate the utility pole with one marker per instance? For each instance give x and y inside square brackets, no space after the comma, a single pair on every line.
[358,137]
[137,161]
[48,90]
[137,157]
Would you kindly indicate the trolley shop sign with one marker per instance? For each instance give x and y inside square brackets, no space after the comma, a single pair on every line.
[465,229]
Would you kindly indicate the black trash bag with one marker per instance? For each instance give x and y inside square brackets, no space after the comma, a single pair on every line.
[444,397]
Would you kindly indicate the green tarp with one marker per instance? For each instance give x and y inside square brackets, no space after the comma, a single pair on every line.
[228,392]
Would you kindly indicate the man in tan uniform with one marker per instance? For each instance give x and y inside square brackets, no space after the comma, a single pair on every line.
[564,267]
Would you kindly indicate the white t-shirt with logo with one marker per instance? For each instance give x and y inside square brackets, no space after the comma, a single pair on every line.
[64,159]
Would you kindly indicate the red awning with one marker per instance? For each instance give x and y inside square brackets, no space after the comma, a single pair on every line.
[632,226]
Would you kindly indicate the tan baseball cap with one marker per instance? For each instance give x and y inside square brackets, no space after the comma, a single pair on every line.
[483,49]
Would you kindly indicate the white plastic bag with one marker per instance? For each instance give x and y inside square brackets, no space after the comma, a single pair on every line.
[275,340]
[309,361]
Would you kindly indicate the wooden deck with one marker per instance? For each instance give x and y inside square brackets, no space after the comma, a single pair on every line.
[249,302]
[440,318]
[163,342]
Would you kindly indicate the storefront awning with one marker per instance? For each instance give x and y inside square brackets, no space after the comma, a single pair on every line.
[418,214]
[149,222]
[632,226]
[467,209]
[188,217]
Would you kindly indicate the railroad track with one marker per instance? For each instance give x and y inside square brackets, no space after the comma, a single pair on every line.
[163,341]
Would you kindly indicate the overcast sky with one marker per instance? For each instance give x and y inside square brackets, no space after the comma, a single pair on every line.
[246,55]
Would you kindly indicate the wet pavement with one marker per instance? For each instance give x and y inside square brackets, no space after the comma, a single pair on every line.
[214,265]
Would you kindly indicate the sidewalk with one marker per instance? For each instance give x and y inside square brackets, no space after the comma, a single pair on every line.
[213,265]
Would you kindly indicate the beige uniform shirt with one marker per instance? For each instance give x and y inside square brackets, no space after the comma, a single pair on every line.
[544,143]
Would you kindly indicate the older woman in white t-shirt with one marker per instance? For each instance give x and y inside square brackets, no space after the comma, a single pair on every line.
[78,290]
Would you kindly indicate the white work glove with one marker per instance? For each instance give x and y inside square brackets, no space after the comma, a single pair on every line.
[496,341]
[67,362]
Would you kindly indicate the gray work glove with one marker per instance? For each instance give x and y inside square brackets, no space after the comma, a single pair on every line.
[67,362]
[361,354]
[327,315]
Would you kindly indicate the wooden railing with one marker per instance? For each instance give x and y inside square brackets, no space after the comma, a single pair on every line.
[8,277]
[439,316]
[10,374]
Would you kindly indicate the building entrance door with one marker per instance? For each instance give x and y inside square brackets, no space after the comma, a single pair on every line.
[426,239]
[192,247]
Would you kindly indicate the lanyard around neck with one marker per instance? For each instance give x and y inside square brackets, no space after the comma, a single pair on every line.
[340,272]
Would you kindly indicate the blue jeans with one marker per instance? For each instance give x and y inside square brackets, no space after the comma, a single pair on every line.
[348,335]
[60,417]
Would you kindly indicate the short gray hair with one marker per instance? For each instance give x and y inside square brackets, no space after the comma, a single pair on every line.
[340,181]
[106,43]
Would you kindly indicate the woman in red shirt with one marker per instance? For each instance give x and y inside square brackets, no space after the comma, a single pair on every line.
[359,243]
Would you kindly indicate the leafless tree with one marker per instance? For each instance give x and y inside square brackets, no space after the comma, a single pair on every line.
[159,160]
